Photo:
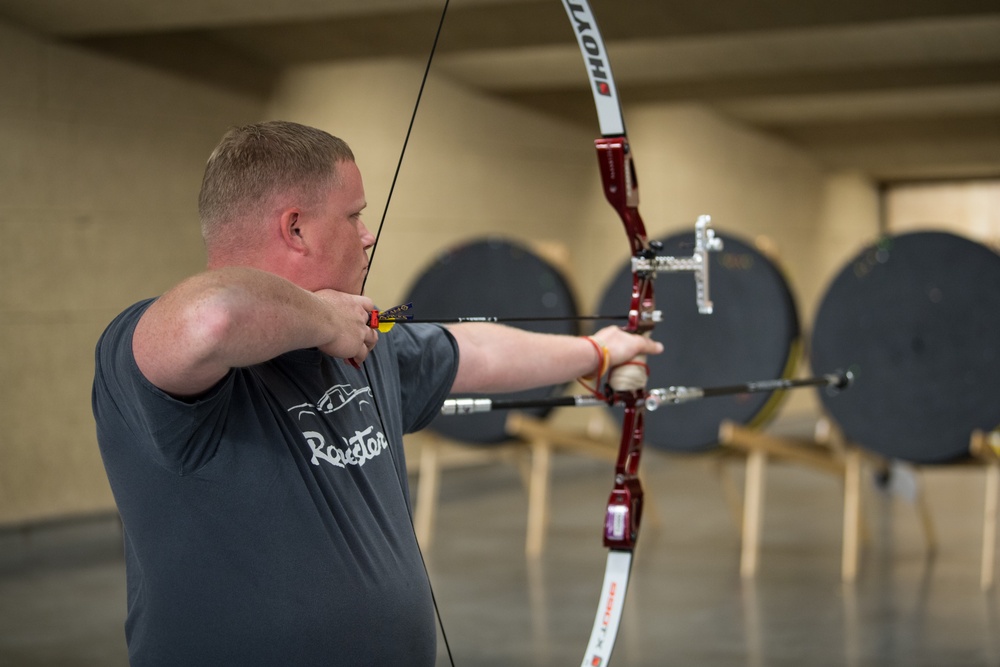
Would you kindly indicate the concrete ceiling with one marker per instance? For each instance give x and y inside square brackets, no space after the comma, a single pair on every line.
[898,90]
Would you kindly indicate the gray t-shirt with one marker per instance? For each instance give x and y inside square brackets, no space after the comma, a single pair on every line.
[268,521]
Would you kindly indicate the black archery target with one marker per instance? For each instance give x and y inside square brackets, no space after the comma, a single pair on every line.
[493,277]
[917,318]
[752,334]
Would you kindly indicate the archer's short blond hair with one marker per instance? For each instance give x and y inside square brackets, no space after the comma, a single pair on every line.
[256,166]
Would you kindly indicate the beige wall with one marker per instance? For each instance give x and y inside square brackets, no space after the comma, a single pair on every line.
[100,170]
[970,209]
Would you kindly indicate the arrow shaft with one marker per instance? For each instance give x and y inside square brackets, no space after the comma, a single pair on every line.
[503,319]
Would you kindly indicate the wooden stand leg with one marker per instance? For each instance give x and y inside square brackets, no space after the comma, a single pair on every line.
[852,514]
[926,520]
[986,448]
[538,497]
[990,525]
[753,510]
[428,485]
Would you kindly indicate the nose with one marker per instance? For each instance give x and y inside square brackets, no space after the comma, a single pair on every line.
[367,238]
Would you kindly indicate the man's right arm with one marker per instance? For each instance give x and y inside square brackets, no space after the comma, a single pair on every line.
[190,337]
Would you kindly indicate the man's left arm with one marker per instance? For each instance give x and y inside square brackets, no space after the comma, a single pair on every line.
[497,358]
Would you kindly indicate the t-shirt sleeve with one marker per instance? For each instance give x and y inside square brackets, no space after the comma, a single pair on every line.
[428,363]
[179,435]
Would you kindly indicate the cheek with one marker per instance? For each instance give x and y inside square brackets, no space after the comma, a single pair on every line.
[344,256]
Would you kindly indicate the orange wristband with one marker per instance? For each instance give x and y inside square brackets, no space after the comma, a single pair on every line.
[603,360]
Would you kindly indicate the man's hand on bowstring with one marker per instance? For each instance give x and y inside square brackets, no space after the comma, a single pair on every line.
[352,339]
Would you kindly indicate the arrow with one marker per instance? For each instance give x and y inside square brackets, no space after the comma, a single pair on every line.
[384,320]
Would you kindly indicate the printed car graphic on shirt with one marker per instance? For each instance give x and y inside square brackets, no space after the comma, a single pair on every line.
[335,398]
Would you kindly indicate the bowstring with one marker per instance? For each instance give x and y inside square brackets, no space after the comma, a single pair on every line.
[406,142]
[371,258]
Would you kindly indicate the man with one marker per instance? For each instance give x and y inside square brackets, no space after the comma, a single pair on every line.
[251,424]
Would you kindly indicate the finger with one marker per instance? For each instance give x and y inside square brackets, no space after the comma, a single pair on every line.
[653,346]
[359,358]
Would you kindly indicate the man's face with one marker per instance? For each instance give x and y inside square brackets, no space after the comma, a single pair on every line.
[337,238]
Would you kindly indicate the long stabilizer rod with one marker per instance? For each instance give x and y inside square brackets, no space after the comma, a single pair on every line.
[654,398]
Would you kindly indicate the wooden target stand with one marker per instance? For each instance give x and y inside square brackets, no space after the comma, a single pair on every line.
[828,452]
[532,445]
[438,453]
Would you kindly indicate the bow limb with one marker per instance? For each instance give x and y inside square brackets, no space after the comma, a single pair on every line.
[624,387]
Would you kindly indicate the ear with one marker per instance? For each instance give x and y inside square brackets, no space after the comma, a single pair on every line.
[290,229]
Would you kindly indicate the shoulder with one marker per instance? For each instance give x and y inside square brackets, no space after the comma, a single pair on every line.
[124,324]
[114,347]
